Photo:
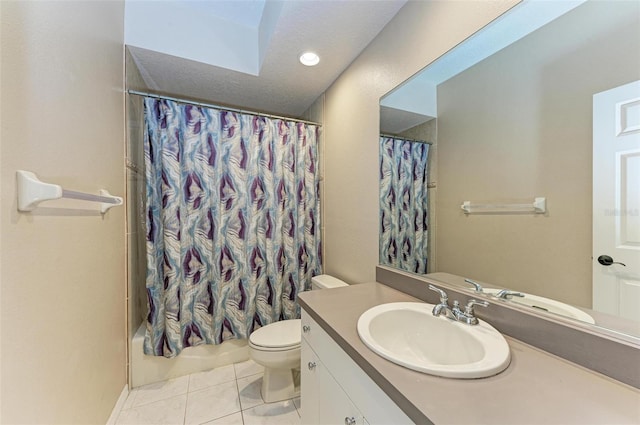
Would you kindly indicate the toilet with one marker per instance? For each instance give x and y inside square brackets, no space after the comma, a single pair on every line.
[277,347]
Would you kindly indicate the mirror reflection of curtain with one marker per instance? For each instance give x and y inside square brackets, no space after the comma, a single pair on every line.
[232,223]
[404,204]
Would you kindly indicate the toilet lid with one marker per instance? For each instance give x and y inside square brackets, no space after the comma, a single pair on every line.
[285,333]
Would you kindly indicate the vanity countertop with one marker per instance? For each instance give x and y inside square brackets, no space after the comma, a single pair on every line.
[536,388]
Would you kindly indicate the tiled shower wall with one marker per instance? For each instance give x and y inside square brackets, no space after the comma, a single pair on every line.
[136,253]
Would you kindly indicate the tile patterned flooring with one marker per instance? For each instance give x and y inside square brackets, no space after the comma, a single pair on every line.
[227,395]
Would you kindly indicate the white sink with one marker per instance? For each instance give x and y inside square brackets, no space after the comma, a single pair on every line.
[546,304]
[408,334]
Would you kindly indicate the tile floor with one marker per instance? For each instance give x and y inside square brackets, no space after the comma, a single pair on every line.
[227,395]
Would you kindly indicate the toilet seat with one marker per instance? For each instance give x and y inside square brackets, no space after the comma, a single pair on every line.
[277,336]
[275,350]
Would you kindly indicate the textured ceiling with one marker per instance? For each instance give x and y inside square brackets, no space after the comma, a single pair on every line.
[337,30]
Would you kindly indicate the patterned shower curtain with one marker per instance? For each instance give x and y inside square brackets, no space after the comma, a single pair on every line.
[233,231]
[404,204]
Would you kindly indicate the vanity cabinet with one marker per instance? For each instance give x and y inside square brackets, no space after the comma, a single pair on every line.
[323,400]
[334,388]
[310,369]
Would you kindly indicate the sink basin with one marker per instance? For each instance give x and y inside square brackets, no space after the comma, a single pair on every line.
[546,304]
[408,334]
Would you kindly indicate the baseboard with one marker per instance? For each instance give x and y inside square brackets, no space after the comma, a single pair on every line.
[118,407]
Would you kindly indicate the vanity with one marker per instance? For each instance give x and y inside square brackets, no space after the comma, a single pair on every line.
[343,381]
[508,115]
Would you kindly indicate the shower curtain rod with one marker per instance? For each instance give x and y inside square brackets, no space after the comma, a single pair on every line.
[404,138]
[223,108]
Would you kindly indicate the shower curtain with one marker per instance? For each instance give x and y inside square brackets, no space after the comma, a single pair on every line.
[233,231]
[404,204]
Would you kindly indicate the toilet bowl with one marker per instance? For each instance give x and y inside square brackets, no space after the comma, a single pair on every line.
[277,348]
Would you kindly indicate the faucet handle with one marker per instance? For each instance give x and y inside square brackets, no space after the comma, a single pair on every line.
[443,295]
[476,285]
[469,307]
[503,294]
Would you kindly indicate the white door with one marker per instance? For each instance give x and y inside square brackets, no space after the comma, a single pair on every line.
[616,201]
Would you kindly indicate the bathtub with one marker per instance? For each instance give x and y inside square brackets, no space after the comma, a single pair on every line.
[149,369]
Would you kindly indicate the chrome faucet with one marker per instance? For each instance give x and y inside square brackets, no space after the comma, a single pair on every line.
[442,308]
[468,316]
[475,284]
[503,294]
[456,313]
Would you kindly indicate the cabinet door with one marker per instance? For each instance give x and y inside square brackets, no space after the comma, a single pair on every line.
[349,379]
[309,382]
[336,408]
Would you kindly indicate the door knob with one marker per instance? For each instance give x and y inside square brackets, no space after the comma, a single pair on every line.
[605,260]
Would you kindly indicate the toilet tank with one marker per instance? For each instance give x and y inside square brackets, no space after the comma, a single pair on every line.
[324,281]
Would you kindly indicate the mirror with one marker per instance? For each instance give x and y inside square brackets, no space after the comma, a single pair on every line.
[510,114]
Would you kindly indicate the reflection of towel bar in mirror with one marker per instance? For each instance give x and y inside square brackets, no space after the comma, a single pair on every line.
[538,206]
[32,191]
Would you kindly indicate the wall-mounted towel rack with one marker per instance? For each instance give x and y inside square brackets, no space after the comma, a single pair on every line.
[538,206]
[32,191]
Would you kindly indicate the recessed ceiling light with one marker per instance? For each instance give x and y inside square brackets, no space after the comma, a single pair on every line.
[309,59]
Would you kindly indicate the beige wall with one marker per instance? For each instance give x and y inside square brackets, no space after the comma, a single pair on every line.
[62,270]
[422,31]
[518,125]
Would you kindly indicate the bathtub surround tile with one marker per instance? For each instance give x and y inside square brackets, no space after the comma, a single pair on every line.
[169,412]
[247,368]
[212,403]
[219,375]
[160,391]
[281,413]
[249,389]
[234,419]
